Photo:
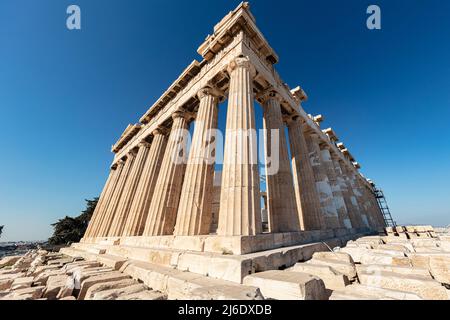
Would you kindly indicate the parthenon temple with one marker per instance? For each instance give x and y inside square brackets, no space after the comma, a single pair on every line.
[153,207]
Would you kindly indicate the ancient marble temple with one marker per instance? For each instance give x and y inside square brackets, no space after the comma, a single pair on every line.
[152,205]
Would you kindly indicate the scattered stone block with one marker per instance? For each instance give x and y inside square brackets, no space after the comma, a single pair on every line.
[113,294]
[105,286]
[31,293]
[225,292]
[338,256]
[9,261]
[98,279]
[347,269]
[58,287]
[362,292]
[440,268]
[422,286]
[144,295]
[332,279]
[285,285]
[370,258]
[374,268]
[22,283]
[5,284]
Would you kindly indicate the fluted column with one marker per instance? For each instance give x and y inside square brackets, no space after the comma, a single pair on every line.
[281,204]
[129,192]
[163,207]
[115,201]
[349,196]
[306,195]
[329,211]
[101,200]
[102,214]
[139,209]
[240,207]
[338,199]
[194,210]
[359,194]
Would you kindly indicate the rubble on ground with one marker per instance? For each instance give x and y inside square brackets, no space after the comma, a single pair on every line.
[407,263]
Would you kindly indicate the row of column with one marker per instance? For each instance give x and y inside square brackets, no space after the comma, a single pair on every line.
[150,193]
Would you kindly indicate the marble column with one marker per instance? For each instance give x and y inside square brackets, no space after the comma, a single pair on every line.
[329,211]
[139,209]
[163,207]
[349,196]
[194,210]
[360,198]
[102,214]
[123,210]
[115,201]
[306,195]
[281,203]
[338,199]
[103,196]
[240,200]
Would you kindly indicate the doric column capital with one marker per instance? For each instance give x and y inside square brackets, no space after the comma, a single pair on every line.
[241,62]
[117,164]
[209,91]
[144,144]
[132,153]
[179,114]
[268,94]
[159,131]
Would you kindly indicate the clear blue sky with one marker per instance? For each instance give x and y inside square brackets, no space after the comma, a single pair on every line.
[66,96]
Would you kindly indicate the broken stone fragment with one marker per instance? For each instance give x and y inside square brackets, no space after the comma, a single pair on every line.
[59,286]
[98,279]
[346,268]
[362,292]
[225,292]
[104,286]
[285,285]
[339,256]
[22,283]
[114,293]
[31,293]
[9,261]
[422,286]
[144,295]
[333,279]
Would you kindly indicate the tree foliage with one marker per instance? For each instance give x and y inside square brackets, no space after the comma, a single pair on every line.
[1,231]
[68,230]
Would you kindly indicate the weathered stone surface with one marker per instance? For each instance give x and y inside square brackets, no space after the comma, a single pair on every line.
[361,292]
[285,285]
[440,268]
[355,252]
[370,258]
[332,279]
[339,256]
[107,285]
[30,293]
[422,286]
[347,269]
[144,295]
[374,268]
[114,293]
[226,292]
[59,286]
[9,261]
[98,279]
[22,283]
[5,284]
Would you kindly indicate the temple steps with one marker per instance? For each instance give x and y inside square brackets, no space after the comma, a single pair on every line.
[213,265]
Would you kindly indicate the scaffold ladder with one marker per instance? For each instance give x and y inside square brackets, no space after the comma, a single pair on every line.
[382,203]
